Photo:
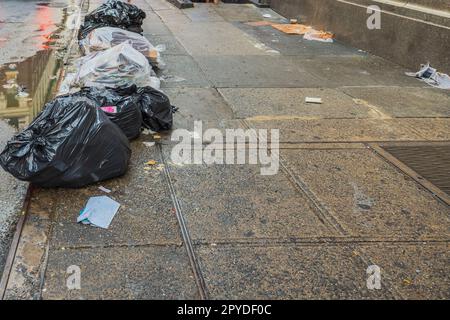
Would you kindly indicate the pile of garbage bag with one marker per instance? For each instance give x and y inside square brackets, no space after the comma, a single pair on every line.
[82,137]
[113,13]
[118,66]
[71,143]
[108,37]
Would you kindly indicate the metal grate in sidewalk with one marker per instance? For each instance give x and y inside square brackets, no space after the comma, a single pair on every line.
[426,162]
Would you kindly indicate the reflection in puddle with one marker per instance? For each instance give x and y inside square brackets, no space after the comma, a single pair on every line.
[25,87]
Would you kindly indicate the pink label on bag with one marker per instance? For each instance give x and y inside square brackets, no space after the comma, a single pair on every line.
[109,109]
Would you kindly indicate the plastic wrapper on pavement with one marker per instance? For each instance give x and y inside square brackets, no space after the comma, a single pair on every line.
[157,112]
[120,105]
[113,13]
[108,37]
[119,66]
[71,143]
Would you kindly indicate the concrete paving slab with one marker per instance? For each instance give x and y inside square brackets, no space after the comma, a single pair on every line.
[145,216]
[339,130]
[188,124]
[122,273]
[369,197]
[182,71]
[229,202]
[257,102]
[173,46]
[155,27]
[173,17]
[405,102]
[256,72]
[25,276]
[285,272]
[217,38]
[358,71]
[239,12]
[158,5]
[437,129]
[197,104]
[295,45]
[418,271]
[203,12]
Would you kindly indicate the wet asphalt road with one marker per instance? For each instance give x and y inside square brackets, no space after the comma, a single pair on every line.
[25,29]
[25,26]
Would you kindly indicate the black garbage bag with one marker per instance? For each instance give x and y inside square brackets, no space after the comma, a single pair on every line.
[113,13]
[157,112]
[121,105]
[71,143]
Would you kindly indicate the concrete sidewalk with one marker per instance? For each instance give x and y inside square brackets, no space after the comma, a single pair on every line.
[225,231]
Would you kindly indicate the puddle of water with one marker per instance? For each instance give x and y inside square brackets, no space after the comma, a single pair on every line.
[26,86]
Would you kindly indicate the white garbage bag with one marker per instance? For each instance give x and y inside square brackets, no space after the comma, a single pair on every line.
[431,76]
[121,65]
[108,37]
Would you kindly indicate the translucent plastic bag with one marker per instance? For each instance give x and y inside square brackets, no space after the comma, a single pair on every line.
[119,66]
[108,37]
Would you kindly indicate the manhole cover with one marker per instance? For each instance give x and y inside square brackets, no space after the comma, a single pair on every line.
[431,161]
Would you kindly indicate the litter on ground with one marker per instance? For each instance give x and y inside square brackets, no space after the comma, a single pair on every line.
[432,77]
[320,36]
[308,32]
[313,100]
[151,162]
[259,23]
[106,190]
[148,143]
[292,28]
[99,212]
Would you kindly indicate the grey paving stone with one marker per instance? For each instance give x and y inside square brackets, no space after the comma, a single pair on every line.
[246,12]
[369,197]
[256,72]
[235,202]
[437,129]
[405,102]
[357,71]
[122,273]
[339,130]
[295,45]
[197,104]
[145,216]
[173,46]
[203,12]
[215,38]
[279,272]
[182,71]
[290,102]
[418,271]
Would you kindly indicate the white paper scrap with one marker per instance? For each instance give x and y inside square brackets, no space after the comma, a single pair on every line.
[99,211]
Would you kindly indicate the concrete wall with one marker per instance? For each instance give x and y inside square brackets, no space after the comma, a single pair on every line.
[412,32]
